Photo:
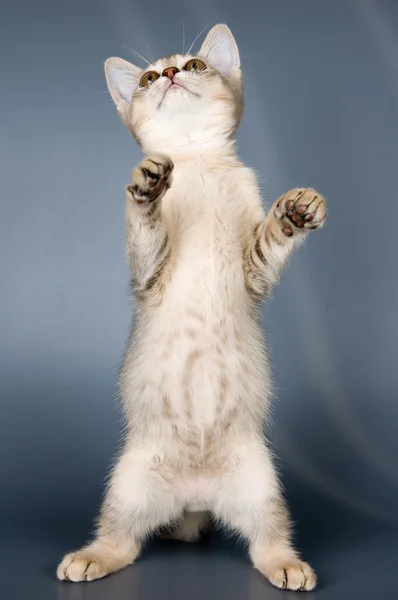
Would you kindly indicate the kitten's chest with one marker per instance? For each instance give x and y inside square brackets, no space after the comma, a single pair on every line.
[199,213]
[205,237]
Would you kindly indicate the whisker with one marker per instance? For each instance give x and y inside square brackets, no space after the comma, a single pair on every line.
[196,38]
[183,38]
[149,52]
[209,55]
[136,53]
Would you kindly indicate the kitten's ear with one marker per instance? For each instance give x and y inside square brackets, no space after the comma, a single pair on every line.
[221,50]
[122,78]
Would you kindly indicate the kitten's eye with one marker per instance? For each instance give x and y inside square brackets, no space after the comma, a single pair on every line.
[149,78]
[195,65]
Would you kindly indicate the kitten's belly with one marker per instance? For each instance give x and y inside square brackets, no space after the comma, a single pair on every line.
[199,373]
[200,360]
[202,352]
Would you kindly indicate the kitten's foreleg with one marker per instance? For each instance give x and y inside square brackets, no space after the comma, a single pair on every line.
[147,242]
[291,217]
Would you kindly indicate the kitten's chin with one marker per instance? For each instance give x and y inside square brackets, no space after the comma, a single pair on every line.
[176,96]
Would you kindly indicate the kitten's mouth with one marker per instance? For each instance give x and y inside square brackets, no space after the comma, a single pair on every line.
[174,85]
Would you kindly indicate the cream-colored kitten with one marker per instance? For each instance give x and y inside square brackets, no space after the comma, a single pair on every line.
[195,381]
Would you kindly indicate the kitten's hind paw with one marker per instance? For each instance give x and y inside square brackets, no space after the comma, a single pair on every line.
[94,562]
[296,575]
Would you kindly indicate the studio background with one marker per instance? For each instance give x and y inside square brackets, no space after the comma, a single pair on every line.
[321,84]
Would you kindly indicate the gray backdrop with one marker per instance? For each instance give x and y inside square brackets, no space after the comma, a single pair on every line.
[321,83]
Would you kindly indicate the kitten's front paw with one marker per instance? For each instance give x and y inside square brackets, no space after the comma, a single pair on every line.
[301,208]
[151,178]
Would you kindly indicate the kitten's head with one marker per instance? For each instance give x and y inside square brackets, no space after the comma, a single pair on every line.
[181,102]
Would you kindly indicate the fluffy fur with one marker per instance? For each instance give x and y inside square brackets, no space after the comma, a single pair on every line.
[195,381]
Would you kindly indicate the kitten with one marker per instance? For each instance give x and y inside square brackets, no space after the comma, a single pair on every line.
[195,380]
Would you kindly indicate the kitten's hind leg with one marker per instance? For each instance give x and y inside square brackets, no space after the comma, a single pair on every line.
[190,529]
[139,500]
[250,501]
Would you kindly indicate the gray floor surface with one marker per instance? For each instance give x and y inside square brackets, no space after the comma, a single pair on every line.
[355,558]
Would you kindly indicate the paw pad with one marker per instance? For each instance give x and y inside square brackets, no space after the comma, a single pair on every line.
[301,208]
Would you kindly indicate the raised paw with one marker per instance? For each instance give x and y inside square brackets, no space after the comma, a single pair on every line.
[151,178]
[297,576]
[300,209]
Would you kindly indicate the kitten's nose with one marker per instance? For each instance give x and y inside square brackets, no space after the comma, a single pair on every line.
[170,72]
